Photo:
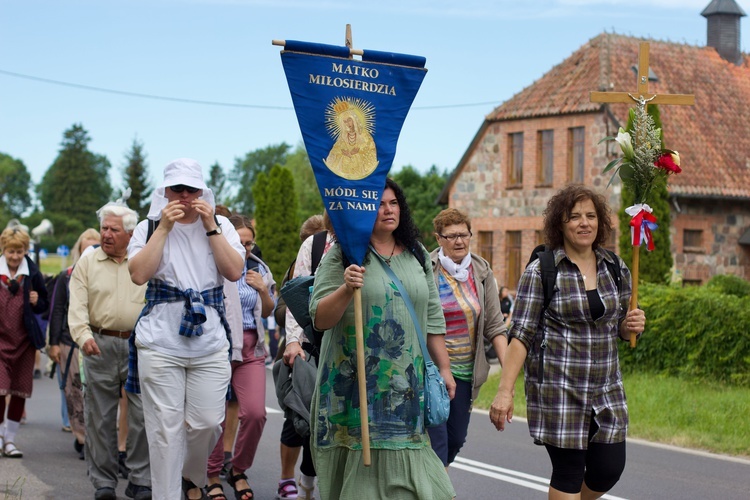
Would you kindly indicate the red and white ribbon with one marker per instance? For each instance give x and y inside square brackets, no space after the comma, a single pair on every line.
[642,223]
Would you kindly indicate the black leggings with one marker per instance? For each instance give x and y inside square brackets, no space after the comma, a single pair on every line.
[600,466]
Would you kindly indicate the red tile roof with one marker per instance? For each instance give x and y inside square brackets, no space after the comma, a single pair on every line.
[713,137]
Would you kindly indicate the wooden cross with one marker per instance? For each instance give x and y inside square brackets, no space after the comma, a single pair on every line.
[642,92]
[642,98]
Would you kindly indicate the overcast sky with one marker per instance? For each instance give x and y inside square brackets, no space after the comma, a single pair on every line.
[218,89]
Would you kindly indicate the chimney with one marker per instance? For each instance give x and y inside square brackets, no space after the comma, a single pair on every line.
[724,28]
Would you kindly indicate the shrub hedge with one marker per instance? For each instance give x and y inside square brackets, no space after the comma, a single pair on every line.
[695,332]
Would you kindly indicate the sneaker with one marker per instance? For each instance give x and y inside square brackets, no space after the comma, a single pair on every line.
[66,428]
[287,489]
[138,492]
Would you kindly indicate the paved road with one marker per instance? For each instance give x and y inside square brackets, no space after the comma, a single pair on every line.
[492,465]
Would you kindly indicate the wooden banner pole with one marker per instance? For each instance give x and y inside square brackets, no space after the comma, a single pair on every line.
[634,296]
[362,382]
[352,52]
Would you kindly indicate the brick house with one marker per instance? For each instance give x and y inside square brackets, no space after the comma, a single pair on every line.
[547,136]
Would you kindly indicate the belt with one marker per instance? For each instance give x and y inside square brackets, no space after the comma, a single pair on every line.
[120,334]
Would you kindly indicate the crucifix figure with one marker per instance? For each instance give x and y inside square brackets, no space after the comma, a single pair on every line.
[642,99]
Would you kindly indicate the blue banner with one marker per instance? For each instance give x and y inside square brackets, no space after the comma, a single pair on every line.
[351,112]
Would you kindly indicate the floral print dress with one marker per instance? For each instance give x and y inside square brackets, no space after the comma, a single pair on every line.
[394,367]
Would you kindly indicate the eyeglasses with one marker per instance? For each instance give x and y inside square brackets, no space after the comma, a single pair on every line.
[249,244]
[181,187]
[452,237]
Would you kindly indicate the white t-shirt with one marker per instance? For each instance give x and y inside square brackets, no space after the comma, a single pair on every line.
[187,262]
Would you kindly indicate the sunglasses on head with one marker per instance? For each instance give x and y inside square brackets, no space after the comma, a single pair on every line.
[181,187]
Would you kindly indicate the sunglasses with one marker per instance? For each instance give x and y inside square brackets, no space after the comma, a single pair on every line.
[181,187]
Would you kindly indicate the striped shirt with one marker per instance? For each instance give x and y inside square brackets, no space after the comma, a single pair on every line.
[461,309]
[248,299]
[581,368]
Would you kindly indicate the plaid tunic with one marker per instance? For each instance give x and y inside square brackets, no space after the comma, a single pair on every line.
[581,370]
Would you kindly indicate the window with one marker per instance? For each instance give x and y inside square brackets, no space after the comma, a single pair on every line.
[692,241]
[515,159]
[485,245]
[545,142]
[576,154]
[513,257]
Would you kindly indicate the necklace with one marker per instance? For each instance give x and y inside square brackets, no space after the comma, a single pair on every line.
[387,260]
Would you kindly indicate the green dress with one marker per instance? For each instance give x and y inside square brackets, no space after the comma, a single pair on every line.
[403,463]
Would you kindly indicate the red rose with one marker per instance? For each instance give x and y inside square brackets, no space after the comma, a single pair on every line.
[666,161]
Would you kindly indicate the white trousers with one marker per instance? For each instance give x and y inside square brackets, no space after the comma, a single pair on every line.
[183,407]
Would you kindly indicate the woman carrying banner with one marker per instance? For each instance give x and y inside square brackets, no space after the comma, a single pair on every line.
[403,463]
[574,393]
[471,305]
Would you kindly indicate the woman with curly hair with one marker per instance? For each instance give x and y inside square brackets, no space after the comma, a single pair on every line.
[403,463]
[575,398]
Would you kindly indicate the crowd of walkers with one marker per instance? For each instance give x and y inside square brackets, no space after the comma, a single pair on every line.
[158,331]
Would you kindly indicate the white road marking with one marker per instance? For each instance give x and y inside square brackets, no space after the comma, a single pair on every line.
[508,475]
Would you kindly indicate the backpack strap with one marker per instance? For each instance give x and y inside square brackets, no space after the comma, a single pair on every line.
[318,247]
[549,276]
[152,225]
[614,269]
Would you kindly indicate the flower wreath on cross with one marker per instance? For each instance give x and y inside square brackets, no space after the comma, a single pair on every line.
[644,164]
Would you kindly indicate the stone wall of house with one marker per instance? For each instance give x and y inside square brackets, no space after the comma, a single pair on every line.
[721,224]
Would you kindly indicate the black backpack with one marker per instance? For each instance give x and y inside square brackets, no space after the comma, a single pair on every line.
[549,277]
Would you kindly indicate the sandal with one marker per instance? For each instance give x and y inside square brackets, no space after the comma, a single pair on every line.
[220,495]
[189,485]
[10,450]
[287,490]
[239,494]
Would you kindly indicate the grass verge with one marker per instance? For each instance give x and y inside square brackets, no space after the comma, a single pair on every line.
[691,414]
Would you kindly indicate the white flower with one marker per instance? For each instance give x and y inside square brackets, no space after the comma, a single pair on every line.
[626,144]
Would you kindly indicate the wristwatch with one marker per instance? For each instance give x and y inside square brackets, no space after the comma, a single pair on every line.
[215,231]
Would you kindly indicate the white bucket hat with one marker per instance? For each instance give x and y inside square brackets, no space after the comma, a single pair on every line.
[183,171]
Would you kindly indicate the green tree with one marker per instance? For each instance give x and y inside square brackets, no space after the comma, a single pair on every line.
[15,182]
[217,179]
[247,169]
[655,266]
[77,183]
[137,179]
[421,193]
[305,185]
[275,220]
